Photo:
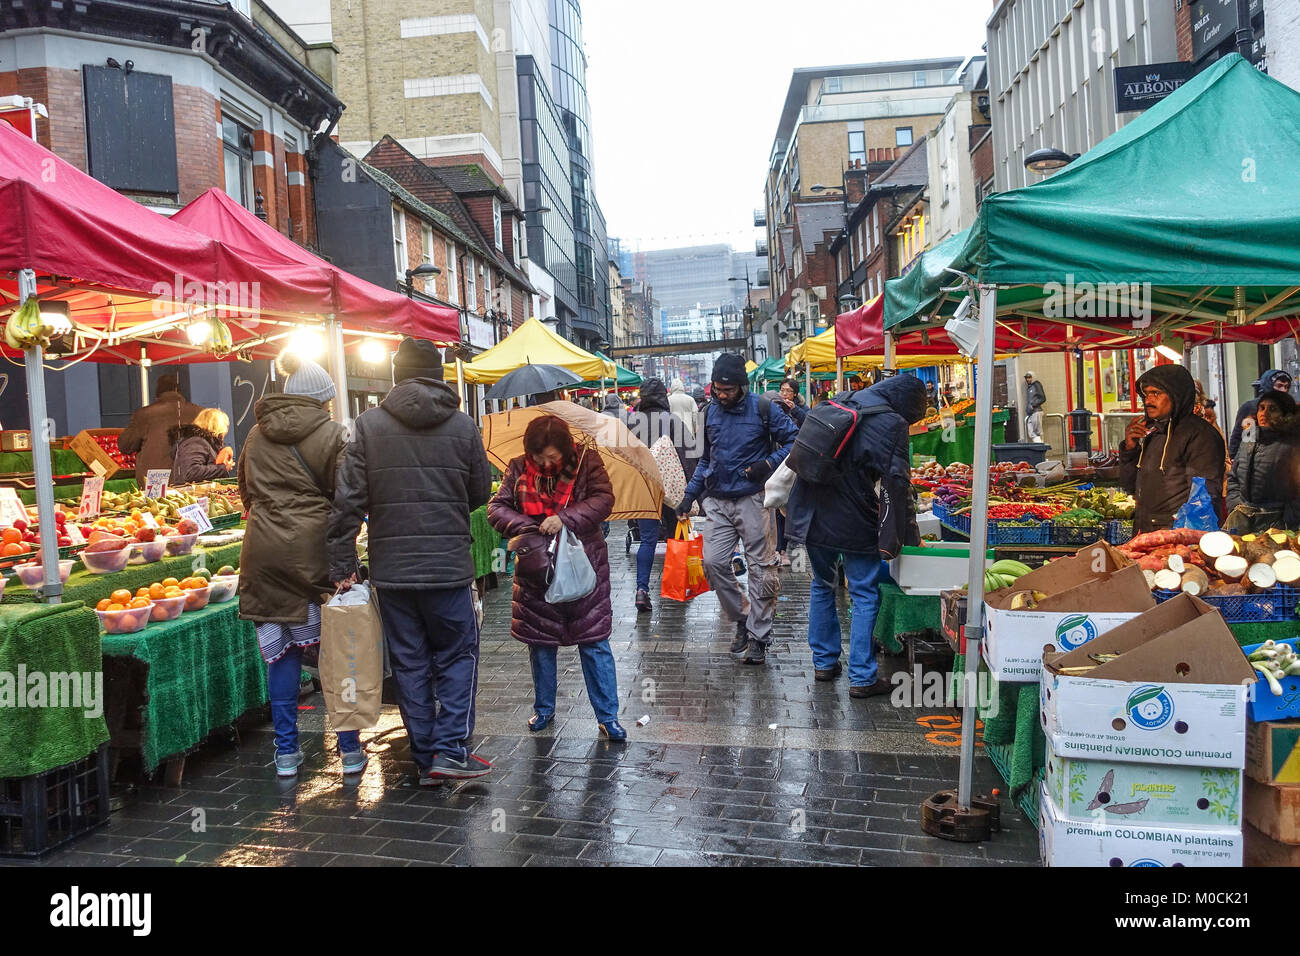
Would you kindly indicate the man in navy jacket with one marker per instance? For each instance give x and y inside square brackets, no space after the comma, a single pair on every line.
[844,522]
[745,438]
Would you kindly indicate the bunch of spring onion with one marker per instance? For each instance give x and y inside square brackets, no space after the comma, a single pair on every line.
[1275,661]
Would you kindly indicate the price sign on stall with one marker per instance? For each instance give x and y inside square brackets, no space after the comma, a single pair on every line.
[92,491]
[198,513]
[155,482]
[11,508]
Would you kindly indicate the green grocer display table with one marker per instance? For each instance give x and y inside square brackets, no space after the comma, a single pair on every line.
[73,489]
[90,588]
[172,684]
[56,640]
[962,446]
[903,614]
[64,462]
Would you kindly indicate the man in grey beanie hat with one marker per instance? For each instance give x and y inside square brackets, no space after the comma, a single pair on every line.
[414,471]
[306,378]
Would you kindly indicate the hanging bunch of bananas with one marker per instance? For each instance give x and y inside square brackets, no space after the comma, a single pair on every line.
[221,343]
[25,329]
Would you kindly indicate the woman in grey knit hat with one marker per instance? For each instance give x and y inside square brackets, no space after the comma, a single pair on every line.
[286,480]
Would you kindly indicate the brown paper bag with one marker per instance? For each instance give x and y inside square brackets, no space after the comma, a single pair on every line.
[351,659]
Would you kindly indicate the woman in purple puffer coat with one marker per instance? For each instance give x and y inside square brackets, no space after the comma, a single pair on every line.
[555,485]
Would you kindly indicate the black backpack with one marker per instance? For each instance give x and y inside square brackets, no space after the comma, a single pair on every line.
[825,433]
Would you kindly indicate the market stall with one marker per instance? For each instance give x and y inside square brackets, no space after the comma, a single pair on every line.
[1121,220]
[534,343]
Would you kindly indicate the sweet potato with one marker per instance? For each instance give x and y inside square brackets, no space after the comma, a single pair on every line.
[1170,536]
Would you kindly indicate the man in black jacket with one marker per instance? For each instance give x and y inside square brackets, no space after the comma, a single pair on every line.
[1162,453]
[1035,399]
[414,471]
[1272,380]
[844,522]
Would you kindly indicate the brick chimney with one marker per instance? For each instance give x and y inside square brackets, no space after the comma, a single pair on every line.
[855,183]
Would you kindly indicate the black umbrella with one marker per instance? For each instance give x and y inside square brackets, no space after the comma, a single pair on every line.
[532,380]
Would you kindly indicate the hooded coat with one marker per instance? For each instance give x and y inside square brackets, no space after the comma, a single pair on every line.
[588,620]
[845,514]
[194,455]
[1247,410]
[1159,471]
[147,434]
[682,405]
[655,418]
[736,437]
[283,565]
[1264,474]
[414,470]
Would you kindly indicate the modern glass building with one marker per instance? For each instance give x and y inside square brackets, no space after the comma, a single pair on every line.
[569,86]
[547,186]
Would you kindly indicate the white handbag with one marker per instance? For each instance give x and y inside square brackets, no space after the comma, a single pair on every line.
[777,490]
[671,475]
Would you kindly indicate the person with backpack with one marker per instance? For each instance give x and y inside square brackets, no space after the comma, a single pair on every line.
[653,420]
[847,444]
[746,437]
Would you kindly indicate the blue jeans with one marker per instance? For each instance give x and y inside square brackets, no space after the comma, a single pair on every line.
[645,555]
[863,573]
[597,671]
[432,638]
[282,680]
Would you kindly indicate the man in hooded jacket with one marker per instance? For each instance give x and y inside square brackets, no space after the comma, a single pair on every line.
[414,471]
[1162,453]
[1272,380]
[843,522]
[682,405]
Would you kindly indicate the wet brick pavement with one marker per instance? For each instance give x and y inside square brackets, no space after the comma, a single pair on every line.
[738,766]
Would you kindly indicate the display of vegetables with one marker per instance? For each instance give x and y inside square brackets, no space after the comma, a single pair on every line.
[1275,661]
[1214,562]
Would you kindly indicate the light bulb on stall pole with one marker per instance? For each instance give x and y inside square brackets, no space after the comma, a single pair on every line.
[307,344]
[373,352]
[198,332]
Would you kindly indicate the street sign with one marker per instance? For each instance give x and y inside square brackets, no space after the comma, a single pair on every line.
[1214,22]
[1139,87]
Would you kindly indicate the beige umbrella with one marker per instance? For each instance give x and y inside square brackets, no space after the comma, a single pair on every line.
[632,469]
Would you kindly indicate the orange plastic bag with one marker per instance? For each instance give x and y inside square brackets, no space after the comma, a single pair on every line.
[683,576]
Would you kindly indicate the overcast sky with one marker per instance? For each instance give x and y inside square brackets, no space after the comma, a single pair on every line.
[686,94]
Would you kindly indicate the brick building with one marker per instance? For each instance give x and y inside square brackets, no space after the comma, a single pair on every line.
[163,100]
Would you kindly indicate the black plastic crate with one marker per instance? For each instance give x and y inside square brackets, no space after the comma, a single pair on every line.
[1074,535]
[43,811]
[1119,530]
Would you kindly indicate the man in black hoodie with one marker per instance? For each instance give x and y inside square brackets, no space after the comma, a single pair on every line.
[414,471]
[1272,380]
[844,522]
[1162,453]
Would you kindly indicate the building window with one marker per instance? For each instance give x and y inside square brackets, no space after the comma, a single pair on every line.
[918,78]
[453,289]
[875,226]
[243,6]
[857,145]
[496,222]
[471,287]
[833,84]
[399,242]
[426,245]
[237,148]
[903,136]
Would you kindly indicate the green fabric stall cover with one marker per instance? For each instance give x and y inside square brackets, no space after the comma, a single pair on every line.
[626,377]
[90,588]
[59,639]
[484,542]
[205,670]
[1014,731]
[902,614]
[20,462]
[1131,209]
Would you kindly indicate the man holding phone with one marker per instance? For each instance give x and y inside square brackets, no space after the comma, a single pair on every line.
[1163,452]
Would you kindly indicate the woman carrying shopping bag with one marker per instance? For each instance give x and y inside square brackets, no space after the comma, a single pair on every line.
[551,488]
[286,481]
[655,424]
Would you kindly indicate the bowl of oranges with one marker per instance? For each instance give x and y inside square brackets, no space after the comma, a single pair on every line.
[120,613]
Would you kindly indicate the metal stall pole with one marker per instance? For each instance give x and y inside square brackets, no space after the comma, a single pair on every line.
[948,814]
[839,374]
[38,415]
[144,376]
[338,369]
[889,350]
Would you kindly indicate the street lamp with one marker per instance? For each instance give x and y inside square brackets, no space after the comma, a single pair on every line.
[425,269]
[819,188]
[749,335]
[1048,159]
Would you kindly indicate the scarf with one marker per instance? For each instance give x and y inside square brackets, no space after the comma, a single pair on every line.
[541,495]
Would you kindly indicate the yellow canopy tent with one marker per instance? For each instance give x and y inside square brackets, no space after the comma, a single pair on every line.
[820,352]
[534,344]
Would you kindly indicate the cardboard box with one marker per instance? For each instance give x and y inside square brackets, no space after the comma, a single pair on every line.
[1088,593]
[1141,794]
[1264,704]
[952,613]
[1273,810]
[1064,842]
[96,459]
[1261,850]
[1273,751]
[1174,693]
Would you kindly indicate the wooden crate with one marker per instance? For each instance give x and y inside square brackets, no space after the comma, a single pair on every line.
[96,459]
[1262,850]
[1273,810]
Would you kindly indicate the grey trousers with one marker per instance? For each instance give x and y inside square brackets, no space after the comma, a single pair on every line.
[743,519]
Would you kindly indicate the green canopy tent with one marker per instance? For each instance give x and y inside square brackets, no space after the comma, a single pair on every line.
[1199,197]
[770,370]
[626,378]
